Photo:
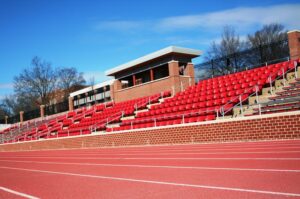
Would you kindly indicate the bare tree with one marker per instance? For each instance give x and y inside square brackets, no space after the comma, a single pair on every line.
[267,34]
[69,80]
[270,42]
[229,45]
[36,82]
[13,104]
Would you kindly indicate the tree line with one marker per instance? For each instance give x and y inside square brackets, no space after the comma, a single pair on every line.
[233,52]
[40,84]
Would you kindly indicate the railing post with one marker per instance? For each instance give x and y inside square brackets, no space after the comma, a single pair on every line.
[259,109]
[217,113]
[173,90]
[181,86]
[131,125]
[80,131]
[283,76]
[295,65]
[183,119]
[256,93]
[271,87]
[223,112]
[241,105]
[155,122]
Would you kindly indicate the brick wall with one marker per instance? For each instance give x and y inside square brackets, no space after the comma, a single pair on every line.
[150,88]
[294,44]
[268,127]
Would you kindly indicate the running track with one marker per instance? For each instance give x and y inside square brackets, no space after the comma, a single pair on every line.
[231,170]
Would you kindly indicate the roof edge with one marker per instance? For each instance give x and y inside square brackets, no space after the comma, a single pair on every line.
[148,57]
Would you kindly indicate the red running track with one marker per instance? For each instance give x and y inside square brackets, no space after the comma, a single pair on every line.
[231,170]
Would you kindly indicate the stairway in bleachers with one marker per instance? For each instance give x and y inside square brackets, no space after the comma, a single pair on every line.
[286,100]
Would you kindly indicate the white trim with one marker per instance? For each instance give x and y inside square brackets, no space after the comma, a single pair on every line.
[18,193]
[159,166]
[199,186]
[142,84]
[151,56]
[293,31]
[96,86]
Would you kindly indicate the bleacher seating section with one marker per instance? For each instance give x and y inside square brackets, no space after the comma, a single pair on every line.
[286,100]
[201,102]
[205,100]
[81,121]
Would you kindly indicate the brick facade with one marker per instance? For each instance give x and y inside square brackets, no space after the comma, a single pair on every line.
[268,127]
[174,82]
[294,44]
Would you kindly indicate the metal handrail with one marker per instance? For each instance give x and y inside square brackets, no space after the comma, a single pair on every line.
[106,120]
[271,82]
[182,116]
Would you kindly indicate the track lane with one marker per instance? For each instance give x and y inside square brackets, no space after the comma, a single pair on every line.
[143,165]
[73,186]
[225,178]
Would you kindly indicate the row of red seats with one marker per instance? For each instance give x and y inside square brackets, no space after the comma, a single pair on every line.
[213,94]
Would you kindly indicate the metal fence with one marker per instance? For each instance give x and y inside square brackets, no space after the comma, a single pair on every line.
[13,119]
[57,108]
[247,59]
[29,115]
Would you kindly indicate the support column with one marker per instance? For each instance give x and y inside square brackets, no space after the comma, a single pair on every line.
[21,116]
[174,77]
[6,119]
[94,96]
[133,79]
[42,111]
[189,71]
[85,98]
[78,101]
[173,68]
[71,104]
[294,44]
[104,91]
[112,92]
[151,75]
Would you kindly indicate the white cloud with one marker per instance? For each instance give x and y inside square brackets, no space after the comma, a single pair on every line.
[242,18]
[287,14]
[98,76]
[6,86]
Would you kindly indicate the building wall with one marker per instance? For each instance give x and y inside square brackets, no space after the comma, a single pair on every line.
[174,82]
[268,127]
[151,88]
[294,44]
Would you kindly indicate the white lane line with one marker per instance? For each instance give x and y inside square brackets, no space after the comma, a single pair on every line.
[97,151]
[151,154]
[158,182]
[18,193]
[150,158]
[159,166]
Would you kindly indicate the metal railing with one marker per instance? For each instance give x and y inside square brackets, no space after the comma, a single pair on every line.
[250,58]
[182,117]
[271,82]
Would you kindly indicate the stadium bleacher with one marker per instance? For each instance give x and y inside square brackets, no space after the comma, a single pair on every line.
[209,98]
[204,101]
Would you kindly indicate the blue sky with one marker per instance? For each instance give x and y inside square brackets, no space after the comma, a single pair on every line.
[94,36]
